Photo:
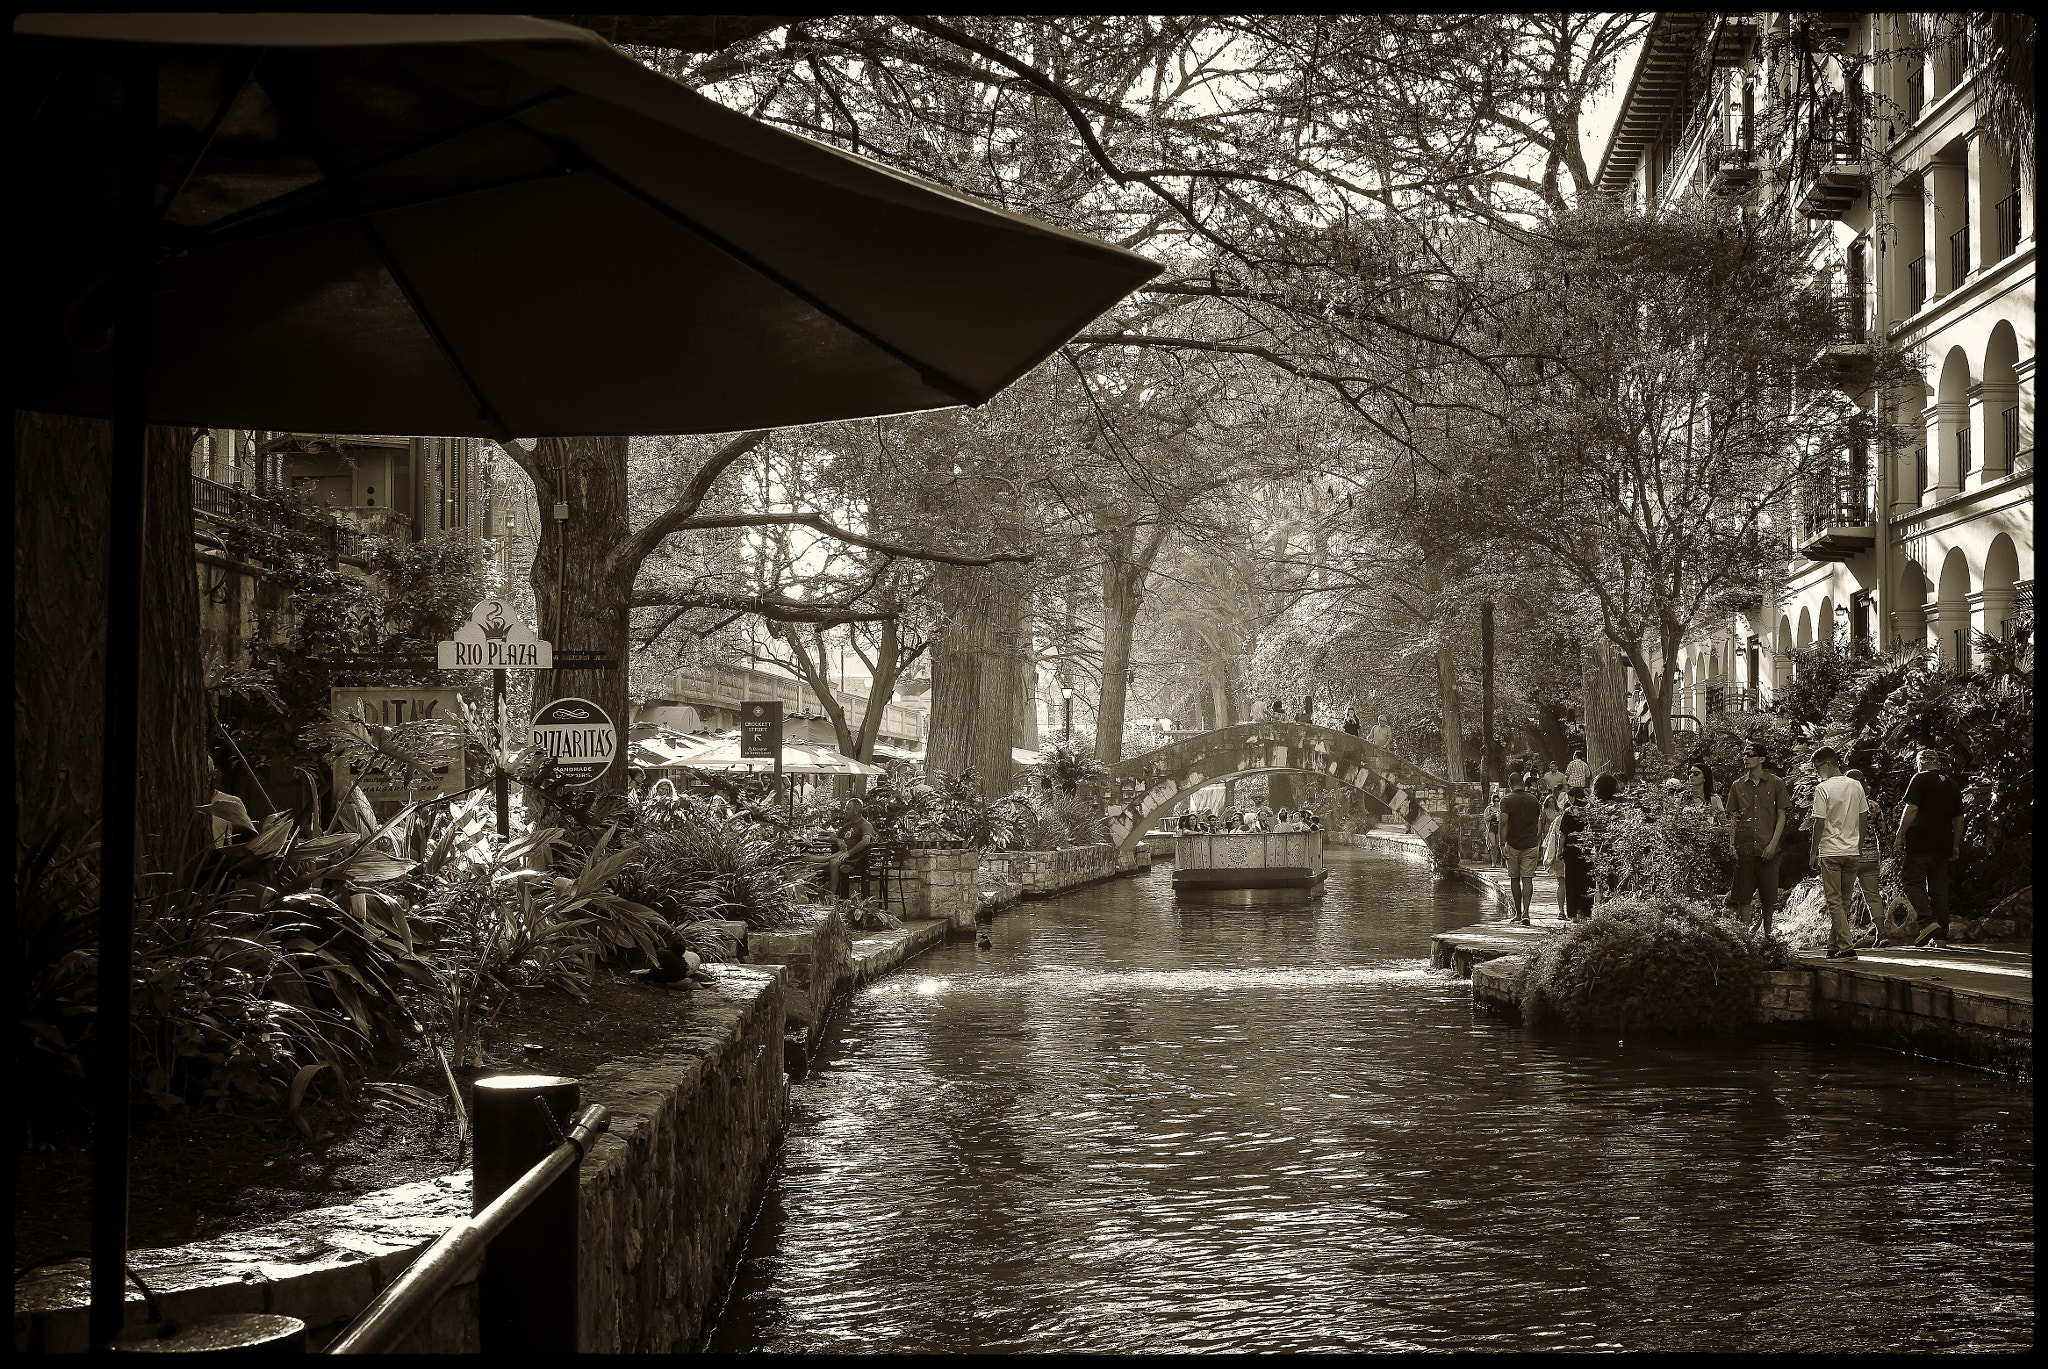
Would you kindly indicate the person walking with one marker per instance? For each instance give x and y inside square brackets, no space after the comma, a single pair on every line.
[1577,884]
[1931,838]
[1351,723]
[1553,780]
[1379,734]
[1493,829]
[1521,815]
[1870,858]
[1759,802]
[1836,847]
[1578,772]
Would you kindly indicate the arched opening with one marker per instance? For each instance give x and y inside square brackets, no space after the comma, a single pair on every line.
[2001,582]
[1824,622]
[1909,615]
[1155,782]
[1949,440]
[1805,629]
[1998,405]
[1781,659]
[1952,610]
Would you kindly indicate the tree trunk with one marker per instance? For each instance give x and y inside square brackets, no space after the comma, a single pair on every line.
[1453,716]
[1610,742]
[1025,738]
[1119,615]
[974,676]
[581,588]
[62,476]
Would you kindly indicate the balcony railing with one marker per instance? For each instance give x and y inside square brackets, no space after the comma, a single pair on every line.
[2011,421]
[232,502]
[2005,223]
[1916,95]
[1962,452]
[1959,257]
[1919,470]
[1723,698]
[1916,285]
[1836,522]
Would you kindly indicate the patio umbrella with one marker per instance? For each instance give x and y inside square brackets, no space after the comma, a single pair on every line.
[798,758]
[499,227]
[459,225]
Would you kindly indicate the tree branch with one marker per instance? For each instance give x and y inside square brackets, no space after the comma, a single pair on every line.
[818,522]
[635,549]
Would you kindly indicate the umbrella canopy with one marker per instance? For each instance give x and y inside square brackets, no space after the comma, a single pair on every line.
[798,758]
[500,226]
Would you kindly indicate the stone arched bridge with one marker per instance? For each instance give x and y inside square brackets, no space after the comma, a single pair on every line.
[1145,788]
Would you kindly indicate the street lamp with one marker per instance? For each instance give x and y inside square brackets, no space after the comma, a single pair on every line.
[1067,708]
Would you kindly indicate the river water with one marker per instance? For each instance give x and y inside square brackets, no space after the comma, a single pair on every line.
[1129,1126]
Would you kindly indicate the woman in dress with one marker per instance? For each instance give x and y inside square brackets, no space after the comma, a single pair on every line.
[1576,887]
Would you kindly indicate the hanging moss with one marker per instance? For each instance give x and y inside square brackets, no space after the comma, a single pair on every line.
[1646,966]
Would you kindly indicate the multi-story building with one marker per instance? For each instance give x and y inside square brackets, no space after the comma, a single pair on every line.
[1873,131]
[348,491]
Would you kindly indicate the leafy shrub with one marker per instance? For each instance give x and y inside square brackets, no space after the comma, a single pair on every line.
[700,868]
[1657,851]
[1048,820]
[1645,965]
[1064,767]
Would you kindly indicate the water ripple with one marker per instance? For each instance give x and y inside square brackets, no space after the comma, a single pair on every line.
[1131,1127]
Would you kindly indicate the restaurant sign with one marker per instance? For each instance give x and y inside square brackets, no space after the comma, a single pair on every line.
[579,735]
[493,639]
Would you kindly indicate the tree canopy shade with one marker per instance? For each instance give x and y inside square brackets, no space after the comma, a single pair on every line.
[349,216]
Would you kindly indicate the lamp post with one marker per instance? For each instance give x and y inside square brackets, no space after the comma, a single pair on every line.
[1067,710]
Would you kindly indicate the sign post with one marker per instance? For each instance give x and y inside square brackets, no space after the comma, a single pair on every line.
[761,735]
[494,640]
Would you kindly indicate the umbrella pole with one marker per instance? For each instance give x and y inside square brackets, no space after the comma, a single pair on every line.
[134,281]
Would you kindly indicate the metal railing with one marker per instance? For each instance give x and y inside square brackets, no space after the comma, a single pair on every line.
[1963,454]
[1916,285]
[1920,470]
[2011,420]
[1959,257]
[2005,220]
[531,1305]
[1842,503]
[278,517]
[1916,95]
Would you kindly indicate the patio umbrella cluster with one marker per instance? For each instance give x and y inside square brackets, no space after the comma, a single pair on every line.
[492,226]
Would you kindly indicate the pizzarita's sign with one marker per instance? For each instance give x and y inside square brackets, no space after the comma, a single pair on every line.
[579,735]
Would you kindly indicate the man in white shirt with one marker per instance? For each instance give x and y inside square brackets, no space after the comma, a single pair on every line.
[1837,849]
[1578,774]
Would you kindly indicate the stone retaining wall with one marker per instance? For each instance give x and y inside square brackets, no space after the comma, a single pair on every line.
[1045,873]
[666,1195]
[817,963]
[1989,1031]
[942,885]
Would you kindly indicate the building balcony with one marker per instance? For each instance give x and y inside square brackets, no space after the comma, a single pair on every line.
[1838,525]
[1834,190]
[1734,172]
[233,504]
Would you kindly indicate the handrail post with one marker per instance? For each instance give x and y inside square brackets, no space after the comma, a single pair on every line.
[526,1294]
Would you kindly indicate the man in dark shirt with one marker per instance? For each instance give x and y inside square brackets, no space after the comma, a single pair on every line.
[1759,803]
[1930,836]
[1522,833]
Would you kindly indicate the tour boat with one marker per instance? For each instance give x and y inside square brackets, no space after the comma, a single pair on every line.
[1248,869]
